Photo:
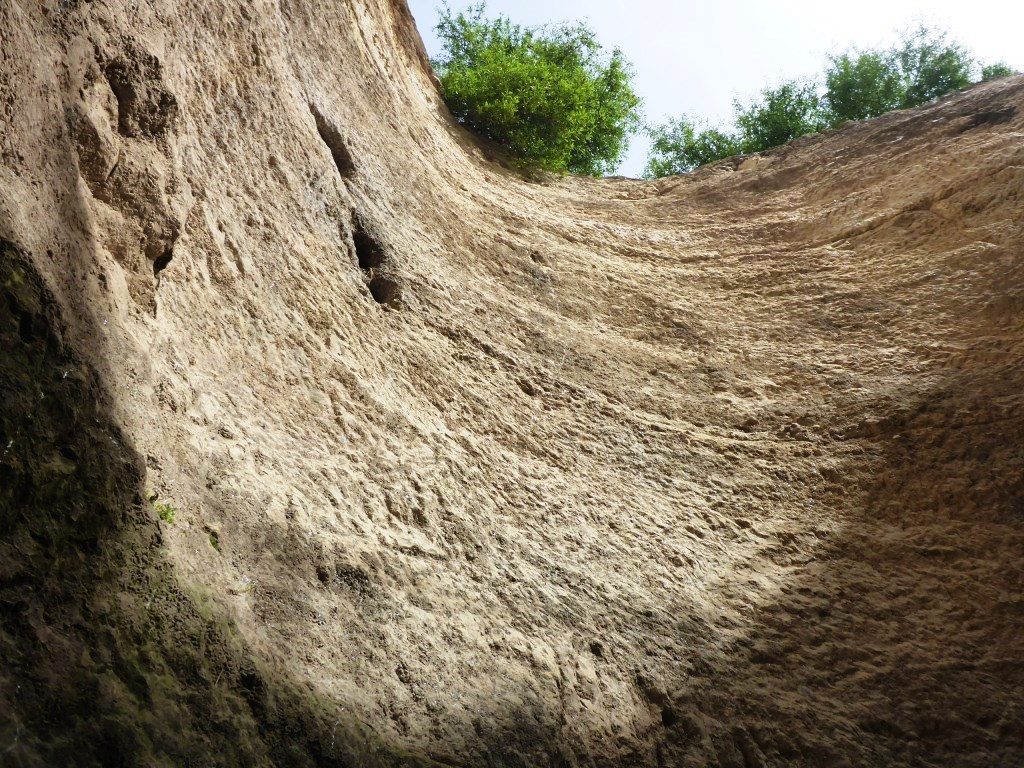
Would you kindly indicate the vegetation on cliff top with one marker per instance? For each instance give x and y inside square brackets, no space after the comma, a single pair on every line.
[856,85]
[557,101]
[550,95]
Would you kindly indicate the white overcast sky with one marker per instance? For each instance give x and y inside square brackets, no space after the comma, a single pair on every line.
[695,57]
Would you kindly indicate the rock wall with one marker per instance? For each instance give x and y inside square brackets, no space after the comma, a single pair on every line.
[329,440]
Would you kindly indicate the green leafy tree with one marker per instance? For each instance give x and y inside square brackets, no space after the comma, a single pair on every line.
[677,147]
[924,66]
[931,66]
[550,95]
[780,115]
[996,71]
[859,86]
[777,116]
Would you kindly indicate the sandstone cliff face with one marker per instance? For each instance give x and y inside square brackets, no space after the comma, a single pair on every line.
[725,469]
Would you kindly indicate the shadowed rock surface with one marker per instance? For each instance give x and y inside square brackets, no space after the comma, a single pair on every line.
[470,470]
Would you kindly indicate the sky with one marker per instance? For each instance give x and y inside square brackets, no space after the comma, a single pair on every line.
[695,57]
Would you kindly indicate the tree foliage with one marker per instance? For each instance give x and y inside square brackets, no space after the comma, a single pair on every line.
[862,85]
[679,148]
[923,67]
[996,71]
[551,95]
[931,65]
[856,85]
[780,115]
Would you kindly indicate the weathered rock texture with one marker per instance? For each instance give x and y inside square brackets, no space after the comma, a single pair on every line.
[721,470]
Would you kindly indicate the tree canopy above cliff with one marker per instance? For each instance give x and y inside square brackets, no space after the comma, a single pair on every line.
[551,95]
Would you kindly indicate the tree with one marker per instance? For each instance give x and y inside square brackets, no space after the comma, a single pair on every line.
[777,116]
[780,115]
[924,66]
[996,71]
[931,66]
[678,148]
[859,86]
[550,95]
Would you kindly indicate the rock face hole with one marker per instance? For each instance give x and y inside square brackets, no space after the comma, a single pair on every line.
[372,259]
[161,262]
[25,327]
[386,291]
[335,142]
[369,252]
